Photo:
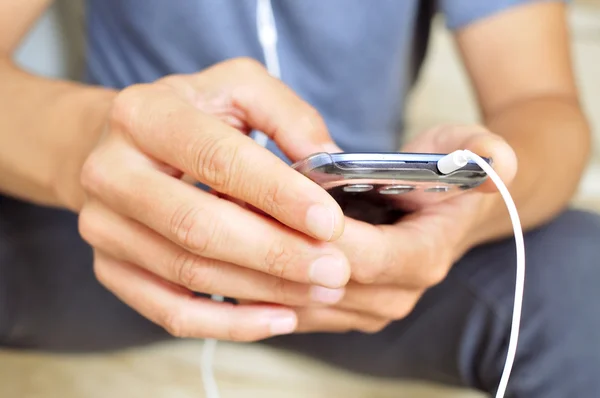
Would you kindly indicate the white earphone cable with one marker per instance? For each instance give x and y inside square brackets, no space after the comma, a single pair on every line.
[211,389]
[455,161]
[520,271]
[267,36]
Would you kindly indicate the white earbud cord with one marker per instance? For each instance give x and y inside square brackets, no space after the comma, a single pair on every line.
[520,272]
[267,36]
[454,161]
[211,389]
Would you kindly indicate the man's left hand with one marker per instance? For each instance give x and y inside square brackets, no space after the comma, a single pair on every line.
[393,265]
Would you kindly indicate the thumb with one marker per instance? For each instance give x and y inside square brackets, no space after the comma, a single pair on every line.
[501,154]
[477,139]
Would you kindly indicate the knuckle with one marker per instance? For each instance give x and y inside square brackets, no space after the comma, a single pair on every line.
[92,229]
[436,275]
[172,81]
[437,269]
[100,272]
[174,322]
[271,198]
[178,85]
[278,259]
[370,273]
[313,121]
[391,265]
[290,294]
[192,272]
[402,309]
[247,65]
[186,226]
[94,173]
[126,106]
[214,163]
[279,290]
[365,275]
[240,334]
[86,224]
[375,326]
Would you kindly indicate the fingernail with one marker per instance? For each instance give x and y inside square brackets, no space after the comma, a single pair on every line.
[329,271]
[325,295]
[320,221]
[282,323]
[331,148]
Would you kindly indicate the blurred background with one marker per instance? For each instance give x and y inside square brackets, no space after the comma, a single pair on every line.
[55,48]
[443,93]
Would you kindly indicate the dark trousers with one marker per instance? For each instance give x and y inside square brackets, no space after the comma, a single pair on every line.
[457,334]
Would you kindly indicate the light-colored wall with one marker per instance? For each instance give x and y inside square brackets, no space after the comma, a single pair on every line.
[443,93]
[55,45]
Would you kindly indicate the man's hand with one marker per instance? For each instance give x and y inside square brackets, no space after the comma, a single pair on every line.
[158,239]
[392,265]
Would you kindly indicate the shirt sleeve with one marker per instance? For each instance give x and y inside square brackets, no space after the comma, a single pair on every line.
[460,13]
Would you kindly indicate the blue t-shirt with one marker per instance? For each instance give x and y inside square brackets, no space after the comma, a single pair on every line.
[354,60]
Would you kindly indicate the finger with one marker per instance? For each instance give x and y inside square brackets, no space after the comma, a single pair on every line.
[175,132]
[325,319]
[409,254]
[132,242]
[364,246]
[384,301]
[477,139]
[503,157]
[184,315]
[211,227]
[268,105]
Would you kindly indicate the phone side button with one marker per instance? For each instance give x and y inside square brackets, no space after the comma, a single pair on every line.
[358,188]
[438,189]
[396,189]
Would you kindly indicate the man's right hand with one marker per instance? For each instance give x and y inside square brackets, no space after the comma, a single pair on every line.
[158,240]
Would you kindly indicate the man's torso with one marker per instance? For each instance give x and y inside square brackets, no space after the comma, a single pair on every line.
[351,60]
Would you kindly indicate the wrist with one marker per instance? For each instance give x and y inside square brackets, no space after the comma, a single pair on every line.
[71,156]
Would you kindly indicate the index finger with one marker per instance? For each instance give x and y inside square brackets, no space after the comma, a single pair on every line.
[266,104]
[172,130]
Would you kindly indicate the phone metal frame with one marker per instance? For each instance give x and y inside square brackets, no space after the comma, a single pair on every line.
[414,176]
[381,167]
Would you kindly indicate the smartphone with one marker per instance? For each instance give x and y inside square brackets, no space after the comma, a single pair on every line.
[380,188]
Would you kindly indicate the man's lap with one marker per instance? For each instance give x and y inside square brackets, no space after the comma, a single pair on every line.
[457,333]
[54,301]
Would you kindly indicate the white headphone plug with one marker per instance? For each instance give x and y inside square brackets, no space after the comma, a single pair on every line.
[452,162]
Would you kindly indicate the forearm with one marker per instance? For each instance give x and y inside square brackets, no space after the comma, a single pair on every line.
[551,139]
[46,129]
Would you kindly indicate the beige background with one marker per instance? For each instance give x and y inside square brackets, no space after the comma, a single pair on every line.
[172,370]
